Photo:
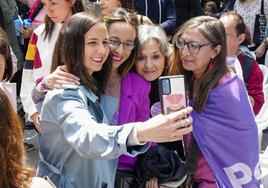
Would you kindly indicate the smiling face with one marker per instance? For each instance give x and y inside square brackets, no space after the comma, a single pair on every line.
[197,62]
[96,48]
[58,10]
[108,5]
[150,62]
[125,34]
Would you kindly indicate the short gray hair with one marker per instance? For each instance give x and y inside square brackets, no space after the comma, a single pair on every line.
[149,32]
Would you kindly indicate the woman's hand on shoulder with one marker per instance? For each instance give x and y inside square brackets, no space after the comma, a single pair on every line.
[60,77]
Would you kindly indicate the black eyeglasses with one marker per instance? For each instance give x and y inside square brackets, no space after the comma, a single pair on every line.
[193,47]
[129,45]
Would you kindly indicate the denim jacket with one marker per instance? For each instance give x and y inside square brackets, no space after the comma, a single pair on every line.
[77,147]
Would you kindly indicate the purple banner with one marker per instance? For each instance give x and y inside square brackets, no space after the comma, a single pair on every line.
[227,135]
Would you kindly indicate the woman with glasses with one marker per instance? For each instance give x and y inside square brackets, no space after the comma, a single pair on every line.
[78,146]
[129,88]
[224,128]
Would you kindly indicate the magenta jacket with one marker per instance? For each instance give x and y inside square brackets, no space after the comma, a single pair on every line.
[134,106]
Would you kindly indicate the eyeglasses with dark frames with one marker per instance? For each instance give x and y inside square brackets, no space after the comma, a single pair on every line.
[128,45]
[193,47]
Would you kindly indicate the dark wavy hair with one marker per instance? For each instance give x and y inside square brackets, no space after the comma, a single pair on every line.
[122,15]
[14,172]
[5,51]
[213,30]
[69,51]
[49,24]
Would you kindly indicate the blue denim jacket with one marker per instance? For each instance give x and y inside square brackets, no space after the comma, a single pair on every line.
[77,147]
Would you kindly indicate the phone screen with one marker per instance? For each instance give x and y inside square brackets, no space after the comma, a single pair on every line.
[172,93]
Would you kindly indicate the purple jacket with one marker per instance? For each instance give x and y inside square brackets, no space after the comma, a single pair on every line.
[134,106]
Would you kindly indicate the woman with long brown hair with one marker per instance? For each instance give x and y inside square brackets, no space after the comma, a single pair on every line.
[224,129]
[14,172]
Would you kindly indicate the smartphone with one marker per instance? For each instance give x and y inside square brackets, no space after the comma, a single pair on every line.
[172,93]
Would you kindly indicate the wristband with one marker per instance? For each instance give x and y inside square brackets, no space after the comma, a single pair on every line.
[41,82]
[43,85]
[38,80]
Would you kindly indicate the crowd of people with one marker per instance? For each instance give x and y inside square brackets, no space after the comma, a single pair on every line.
[87,81]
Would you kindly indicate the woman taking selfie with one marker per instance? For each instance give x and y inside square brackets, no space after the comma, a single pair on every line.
[77,146]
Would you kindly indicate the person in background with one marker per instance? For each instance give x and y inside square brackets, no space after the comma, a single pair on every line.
[248,9]
[210,8]
[6,74]
[201,49]
[236,33]
[76,140]
[36,13]
[186,9]
[225,6]
[218,3]
[14,170]
[108,6]
[12,152]
[9,10]
[6,67]
[262,48]
[161,12]
[38,58]
[32,15]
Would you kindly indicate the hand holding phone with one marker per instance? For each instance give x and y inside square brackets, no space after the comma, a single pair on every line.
[172,93]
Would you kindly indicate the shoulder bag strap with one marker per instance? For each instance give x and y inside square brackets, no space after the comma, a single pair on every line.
[262,7]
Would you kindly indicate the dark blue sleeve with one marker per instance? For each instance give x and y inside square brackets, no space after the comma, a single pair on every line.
[196,8]
[228,5]
[169,25]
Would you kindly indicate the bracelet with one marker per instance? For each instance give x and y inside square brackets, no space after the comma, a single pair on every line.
[43,85]
[41,82]
[39,79]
